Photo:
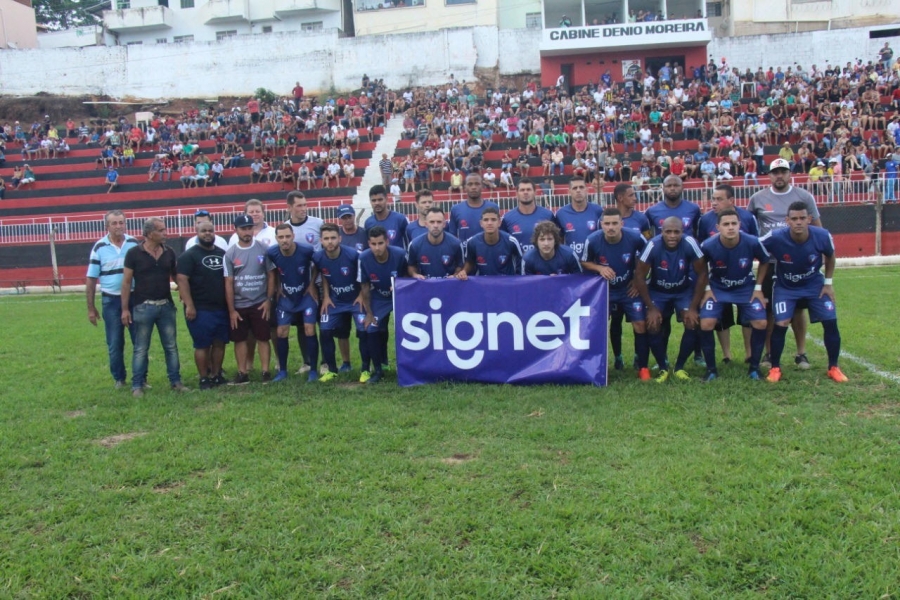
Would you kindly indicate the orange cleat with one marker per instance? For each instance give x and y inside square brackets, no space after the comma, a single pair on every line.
[836,374]
[644,374]
[774,375]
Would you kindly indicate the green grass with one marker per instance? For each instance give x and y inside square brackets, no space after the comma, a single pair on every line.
[634,491]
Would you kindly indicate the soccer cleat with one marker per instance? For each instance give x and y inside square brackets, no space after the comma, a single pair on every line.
[304,368]
[313,376]
[327,376]
[698,360]
[802,362]
[774,375]
[364,376]
[240,379]
[682,375]
[836,374]
[710,377]
[663,377]
[644,374]
[376,377]
[280,376]
[754,375]
[266,376]
[766,362]
[619,364]
[137,393]
[206,383]
[345,368]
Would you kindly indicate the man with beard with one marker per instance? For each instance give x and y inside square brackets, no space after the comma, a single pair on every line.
[520,221]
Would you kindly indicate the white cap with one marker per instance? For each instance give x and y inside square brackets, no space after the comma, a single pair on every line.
[779,163]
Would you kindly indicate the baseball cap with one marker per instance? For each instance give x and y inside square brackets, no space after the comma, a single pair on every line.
[345,210]
[202,212]
[779,163]
[243,221]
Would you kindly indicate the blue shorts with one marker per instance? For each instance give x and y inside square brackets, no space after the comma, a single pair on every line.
[209,326]
[382,317]
[633,308]
[340,319]
[820,309]
[747,311]
[669,304]
[307,307]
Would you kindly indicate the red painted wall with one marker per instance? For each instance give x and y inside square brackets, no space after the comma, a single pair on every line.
[587,67]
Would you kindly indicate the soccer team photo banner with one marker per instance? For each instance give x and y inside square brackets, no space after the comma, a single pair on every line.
[520,330]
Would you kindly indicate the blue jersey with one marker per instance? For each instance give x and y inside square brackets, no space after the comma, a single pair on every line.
[798,266]
[564,262]
[731,269]
[501,258]
[577,226]
[521,227]
[378,275]
[465,221]
[670,269]
[436,260]
[621,257]
[340,274]
[687,212]
[293,274]
[637,221]
[395,224]
[708,222]
[358,240]
[414,230]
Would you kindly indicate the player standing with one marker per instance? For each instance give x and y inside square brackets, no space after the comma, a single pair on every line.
[520,221]
[394,223]
[465,217]
[493,252]
[436,254]
[424,202]
[579,218]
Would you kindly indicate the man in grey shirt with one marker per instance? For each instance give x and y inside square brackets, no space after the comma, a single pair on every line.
[248,298]
[770,207]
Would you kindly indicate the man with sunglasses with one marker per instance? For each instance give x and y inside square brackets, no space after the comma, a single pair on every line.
[202,216]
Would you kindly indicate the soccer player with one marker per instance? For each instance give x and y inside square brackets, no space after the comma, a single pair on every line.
[548,255]
[293,275]
[612,253]
[248,298]
[465,217]
[106,263]
[351,234]
[667,260]
[436,254]
[341,301]
[493,252]
[424,202]
[394,223]
[377,267]
[201,283]
[800,250]
[520,221]
[626,199]
[673,205]
[306,227]
[770,207]
[728,279]
[579,218]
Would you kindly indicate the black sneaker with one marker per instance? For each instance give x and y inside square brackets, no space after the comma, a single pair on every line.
[206,383]
[240,379]
[802,361]
[219,380]
[266,376]
[376,377]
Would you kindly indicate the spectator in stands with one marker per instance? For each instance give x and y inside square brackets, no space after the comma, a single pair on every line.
[188,175]
[216,171]
[27,177]
[304,174]
[112,179]
[2,188]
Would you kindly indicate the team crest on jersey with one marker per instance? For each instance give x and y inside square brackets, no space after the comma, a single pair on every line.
[638,306]
[424,260]
[325,271]
[373,277]
[392,233]
[344,271]
[301,270]
[445,259]
[310,238]
[516,229]
[570,227]
[503,258]
[829,305]
[664,264]
[786,259]
[463,223]
[744,262]
[480,260]
[686,221]
[681,264]
[308,312]
[592,225]
[261,259]
[812,257]
[626,258]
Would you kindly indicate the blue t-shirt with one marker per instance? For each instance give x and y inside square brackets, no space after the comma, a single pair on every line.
[621,257]
[414,230]
[731,269]
[564,262]
[395,224]
[435,260]
[577,226]
[465,221]
[798,266]
[521,227]
[378,275]
[293,274]
[501,258]
[637,221]
[707,227]
[890,169]
[688,212]
[670,269]
[340,274]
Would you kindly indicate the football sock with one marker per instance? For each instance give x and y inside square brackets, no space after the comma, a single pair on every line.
[615,334]
[282,348]
[708,346]
[642,349]
[688,341]
[312,351]
[364,355]
[328,350]
[778,335]
[832,341]
[757,345]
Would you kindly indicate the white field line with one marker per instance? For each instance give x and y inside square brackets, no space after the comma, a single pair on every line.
[860,361]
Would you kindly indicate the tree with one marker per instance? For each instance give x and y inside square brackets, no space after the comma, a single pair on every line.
[64,14]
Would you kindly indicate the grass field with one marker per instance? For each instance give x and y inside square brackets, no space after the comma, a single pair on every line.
[317,490]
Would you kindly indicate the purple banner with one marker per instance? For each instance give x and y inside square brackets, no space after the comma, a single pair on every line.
[521,330]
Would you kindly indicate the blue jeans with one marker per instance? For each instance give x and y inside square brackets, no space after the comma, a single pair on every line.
[145,316]
[115,336]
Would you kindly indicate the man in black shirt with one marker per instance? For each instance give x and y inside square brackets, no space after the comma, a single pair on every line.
[151,267]
[201,282]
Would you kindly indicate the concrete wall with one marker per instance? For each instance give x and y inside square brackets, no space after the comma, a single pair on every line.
[780,16]
[425,15]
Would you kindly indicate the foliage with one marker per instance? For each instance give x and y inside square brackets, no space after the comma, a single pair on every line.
[265,96]
[62,14]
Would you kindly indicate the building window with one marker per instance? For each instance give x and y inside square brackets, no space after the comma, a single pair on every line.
[187,3]
[312,26]
[162,40]
[221,35]
[713,9]
[533,20]
[452,2]
[123,4]
[267,29]
[183,38]
[134,43]
[367,5]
